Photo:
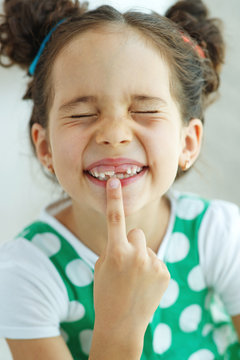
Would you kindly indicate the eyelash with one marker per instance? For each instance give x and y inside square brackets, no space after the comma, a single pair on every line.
[146,112]
[134,112]
[82,116]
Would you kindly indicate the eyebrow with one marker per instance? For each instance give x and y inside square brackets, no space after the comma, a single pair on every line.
[93,99]
[78,100]
[146,98]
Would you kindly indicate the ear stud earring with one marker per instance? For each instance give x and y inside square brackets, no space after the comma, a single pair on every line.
[50,169]
[186,166]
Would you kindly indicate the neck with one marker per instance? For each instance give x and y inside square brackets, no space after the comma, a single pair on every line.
[91,227]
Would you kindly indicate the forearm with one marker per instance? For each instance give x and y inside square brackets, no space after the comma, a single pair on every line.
[116,345]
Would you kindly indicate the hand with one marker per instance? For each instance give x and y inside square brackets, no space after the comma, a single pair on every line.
[129,279]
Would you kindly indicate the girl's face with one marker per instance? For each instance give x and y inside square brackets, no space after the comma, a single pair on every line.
[112,100]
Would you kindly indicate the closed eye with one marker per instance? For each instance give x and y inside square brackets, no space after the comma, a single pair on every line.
[82,116]
[145,112]
[134,112]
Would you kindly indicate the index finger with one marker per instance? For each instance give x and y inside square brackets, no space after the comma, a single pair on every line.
[115,213]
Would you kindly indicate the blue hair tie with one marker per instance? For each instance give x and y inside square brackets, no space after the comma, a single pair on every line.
[33,65]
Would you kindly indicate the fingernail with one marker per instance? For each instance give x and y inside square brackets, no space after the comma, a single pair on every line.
[113,183]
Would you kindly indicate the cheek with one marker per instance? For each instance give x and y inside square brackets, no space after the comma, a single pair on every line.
[67,149]
[164,145]
[164,149]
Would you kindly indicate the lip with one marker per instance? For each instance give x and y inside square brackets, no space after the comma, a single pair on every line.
[114,162]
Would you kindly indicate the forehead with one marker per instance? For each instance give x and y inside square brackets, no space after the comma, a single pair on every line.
[110,62]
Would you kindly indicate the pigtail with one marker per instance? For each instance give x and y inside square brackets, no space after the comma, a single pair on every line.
[25,24]
[192,17]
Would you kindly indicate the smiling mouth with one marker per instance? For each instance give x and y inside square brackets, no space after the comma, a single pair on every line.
[121,176]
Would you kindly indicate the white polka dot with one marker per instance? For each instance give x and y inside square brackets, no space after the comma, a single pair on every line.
[195,279]
[171,294]
[48,243]
[190,318]
[223,337]
[76,311]
[79,273]
[64,335]
[189,208]
[178,247]
[206,329]
[162,338]
[203,354]
[85,338]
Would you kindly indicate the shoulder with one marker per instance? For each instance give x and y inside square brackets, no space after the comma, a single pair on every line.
[222,219]
[31,286]
[218,222]
[188,206]
[219,233]
[218,244]
[28,254]
[20,253]
[219,251]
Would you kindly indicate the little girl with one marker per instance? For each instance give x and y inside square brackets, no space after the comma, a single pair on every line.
[123,267]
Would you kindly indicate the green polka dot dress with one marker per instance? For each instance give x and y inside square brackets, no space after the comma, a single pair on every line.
[190,322]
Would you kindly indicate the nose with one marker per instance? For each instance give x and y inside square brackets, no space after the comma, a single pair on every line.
[114,132]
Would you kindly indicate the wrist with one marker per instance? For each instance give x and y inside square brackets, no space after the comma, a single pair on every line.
[116,344]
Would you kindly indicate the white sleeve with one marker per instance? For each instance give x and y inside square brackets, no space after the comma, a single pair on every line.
[33,298]
[219,250]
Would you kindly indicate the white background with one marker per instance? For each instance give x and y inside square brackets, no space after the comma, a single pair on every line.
[24,189]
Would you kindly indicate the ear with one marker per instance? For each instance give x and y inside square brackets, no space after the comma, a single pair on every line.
[191,143]
[41,143]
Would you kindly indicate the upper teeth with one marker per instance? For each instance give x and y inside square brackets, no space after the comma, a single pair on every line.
[130,171]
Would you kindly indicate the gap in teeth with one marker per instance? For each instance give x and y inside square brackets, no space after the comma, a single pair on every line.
[108,174]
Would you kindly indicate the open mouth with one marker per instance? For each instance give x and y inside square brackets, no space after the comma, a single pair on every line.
[121,176]
[125,178]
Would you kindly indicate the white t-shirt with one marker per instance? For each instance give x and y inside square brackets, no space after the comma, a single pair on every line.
[33,297]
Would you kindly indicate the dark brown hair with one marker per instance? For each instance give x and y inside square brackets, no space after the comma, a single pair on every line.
[194,80]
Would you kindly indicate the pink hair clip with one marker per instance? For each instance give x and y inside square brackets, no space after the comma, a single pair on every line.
[197,48]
